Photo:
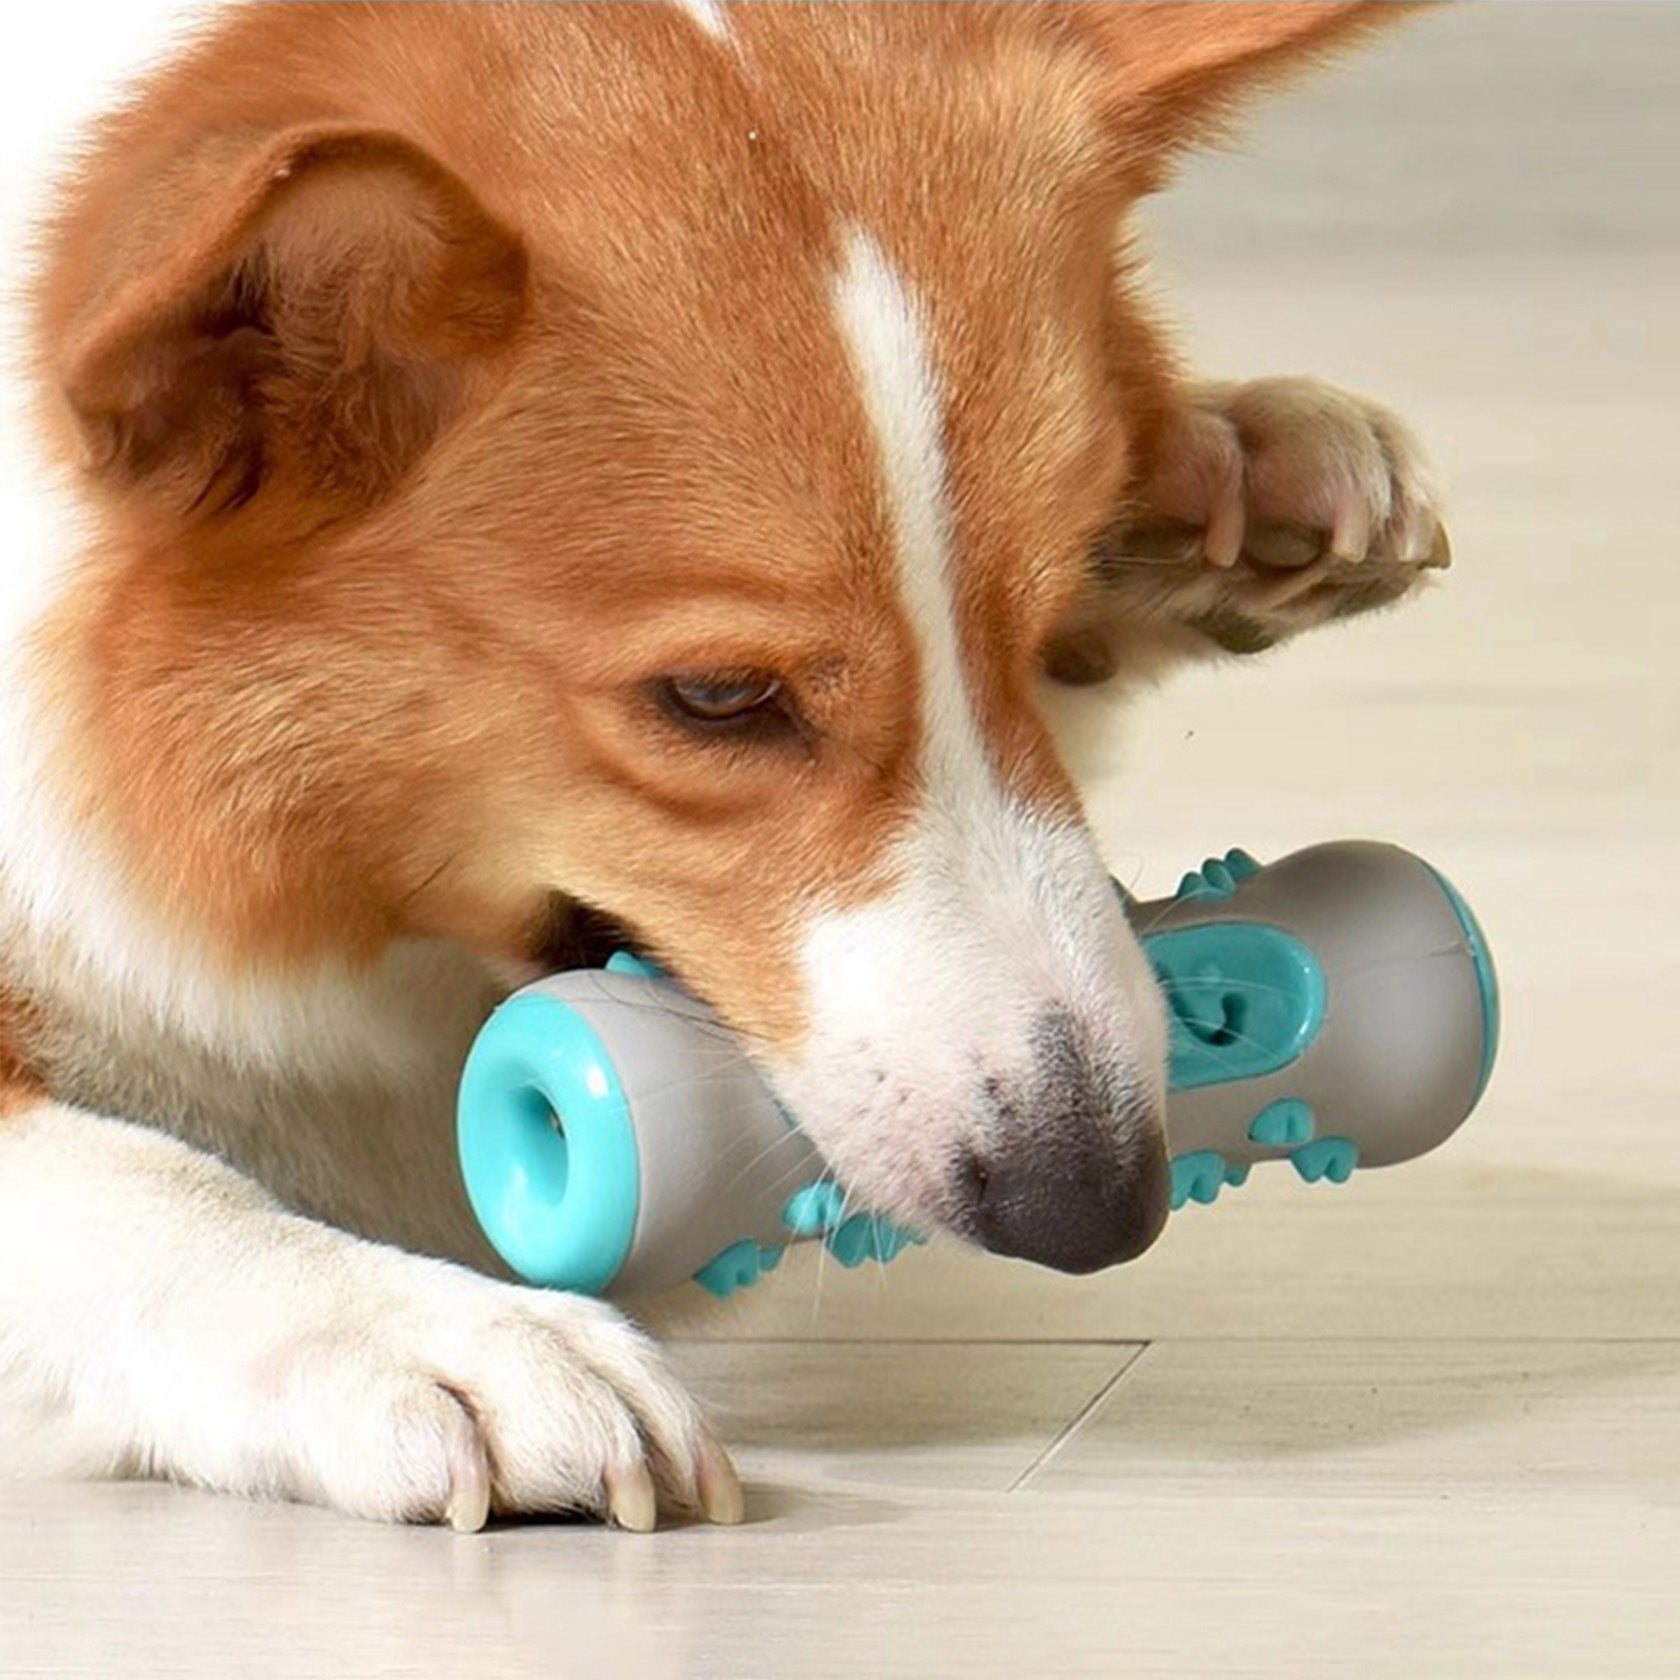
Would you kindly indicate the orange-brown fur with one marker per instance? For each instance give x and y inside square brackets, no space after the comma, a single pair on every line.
[421,564]
[20,1080]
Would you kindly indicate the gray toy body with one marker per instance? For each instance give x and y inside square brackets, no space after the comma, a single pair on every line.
[1404,1044]
[718,1157]
[1335,1009]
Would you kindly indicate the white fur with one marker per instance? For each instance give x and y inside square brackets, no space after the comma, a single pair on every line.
[709,15]
[994,912]
[161,1315]
[1328,459]
[883,331]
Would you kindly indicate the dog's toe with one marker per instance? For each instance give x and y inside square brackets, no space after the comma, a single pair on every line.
[1329,474]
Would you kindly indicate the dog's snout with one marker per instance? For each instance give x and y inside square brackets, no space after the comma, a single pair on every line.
[1075,1175]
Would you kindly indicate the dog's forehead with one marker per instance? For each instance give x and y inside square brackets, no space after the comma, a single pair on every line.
[729,155]
[703,183]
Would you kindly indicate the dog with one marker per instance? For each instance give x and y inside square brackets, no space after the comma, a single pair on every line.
[521,477]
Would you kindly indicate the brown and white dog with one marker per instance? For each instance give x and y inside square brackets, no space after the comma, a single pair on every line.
[524,465]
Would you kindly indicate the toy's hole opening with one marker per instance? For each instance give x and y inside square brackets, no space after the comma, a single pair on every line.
[1218,1021]
[1234,1017]
[547,1163]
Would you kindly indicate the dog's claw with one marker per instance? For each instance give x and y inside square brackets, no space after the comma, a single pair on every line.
[468,1508]
[721,1497]
[468,1513]
[631,1501]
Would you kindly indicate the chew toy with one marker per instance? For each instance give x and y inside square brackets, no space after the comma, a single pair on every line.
[1335,1009]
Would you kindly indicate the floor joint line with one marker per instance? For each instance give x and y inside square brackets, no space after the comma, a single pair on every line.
[1080,1418]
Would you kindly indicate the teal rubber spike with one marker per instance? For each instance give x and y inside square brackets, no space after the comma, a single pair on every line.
[1219,877]
[814,1209]
[1333,1158]
[866,1236]
[1241,864]
[1282,1124]
[1196,1177]
[740,1266]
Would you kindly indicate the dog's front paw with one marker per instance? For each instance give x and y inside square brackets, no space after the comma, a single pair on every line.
[430,1394]
[1287,473]
[1275,505]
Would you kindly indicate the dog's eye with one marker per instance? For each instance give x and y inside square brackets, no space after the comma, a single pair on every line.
[723,698]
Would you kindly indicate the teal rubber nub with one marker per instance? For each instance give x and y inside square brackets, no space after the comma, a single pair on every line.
[740,1266]
[1487,980]
[548,1153]
[627,962]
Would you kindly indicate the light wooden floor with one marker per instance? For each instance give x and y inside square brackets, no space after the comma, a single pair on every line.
[1425,1425]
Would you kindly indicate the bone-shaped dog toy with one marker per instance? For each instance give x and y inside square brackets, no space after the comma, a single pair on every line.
[1337,1008]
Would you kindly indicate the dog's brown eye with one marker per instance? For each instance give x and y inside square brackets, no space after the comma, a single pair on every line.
[728,697]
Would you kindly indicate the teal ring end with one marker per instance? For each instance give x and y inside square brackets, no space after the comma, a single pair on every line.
[548,1151]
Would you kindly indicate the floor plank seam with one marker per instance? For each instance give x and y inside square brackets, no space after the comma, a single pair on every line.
[1535,1338]
[1136,1343]
[1078,1421]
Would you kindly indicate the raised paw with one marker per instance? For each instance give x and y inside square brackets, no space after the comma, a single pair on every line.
[432,1395]
[1288,472]
[1274,506]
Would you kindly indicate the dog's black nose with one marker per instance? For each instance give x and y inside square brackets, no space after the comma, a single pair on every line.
[1075,1176]
[1076,1205]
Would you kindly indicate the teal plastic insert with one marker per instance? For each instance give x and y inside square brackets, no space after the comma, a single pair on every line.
[547,1149]
[1243,999]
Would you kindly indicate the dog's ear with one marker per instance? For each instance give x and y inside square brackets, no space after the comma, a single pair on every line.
[303,316]
[1170,73]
